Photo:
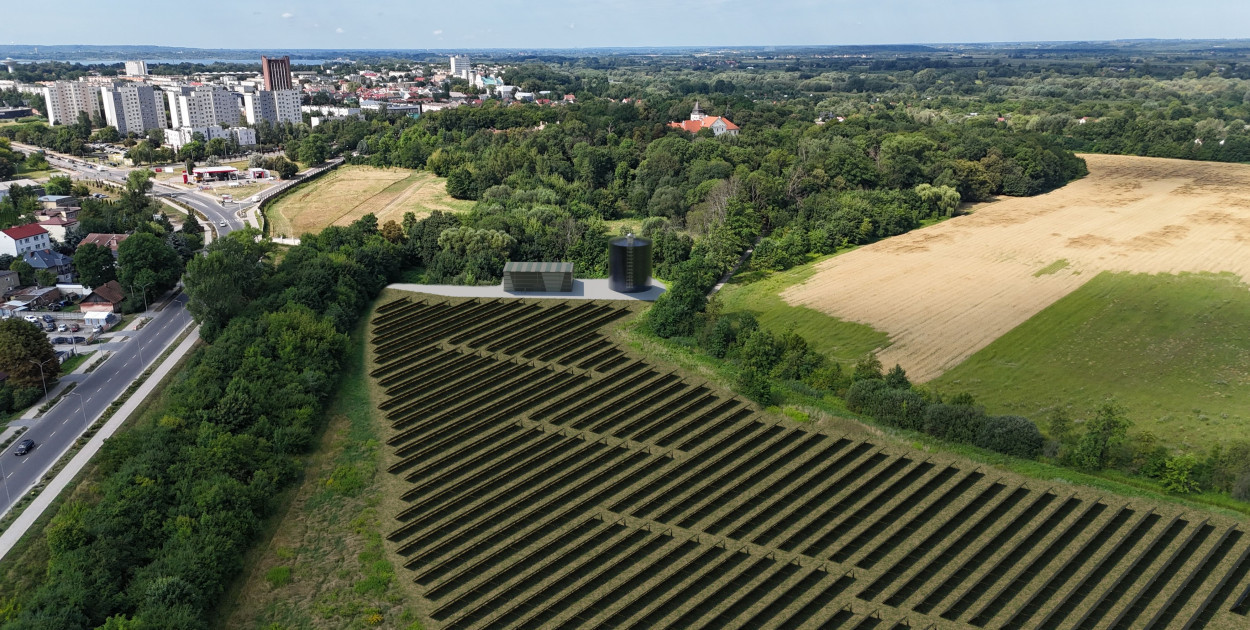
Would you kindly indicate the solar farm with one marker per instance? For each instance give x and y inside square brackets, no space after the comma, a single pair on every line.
[552,479]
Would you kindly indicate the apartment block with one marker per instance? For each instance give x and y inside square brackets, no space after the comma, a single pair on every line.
[202,106]
[65,99]
[274,106]
[133,108]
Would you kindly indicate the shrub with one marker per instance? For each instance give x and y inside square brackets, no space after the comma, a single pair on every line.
[278,577]
[1011,435]
[957,423]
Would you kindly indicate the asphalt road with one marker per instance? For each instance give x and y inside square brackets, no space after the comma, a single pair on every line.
[57,429]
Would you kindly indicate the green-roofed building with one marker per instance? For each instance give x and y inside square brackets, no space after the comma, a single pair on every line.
[545,277]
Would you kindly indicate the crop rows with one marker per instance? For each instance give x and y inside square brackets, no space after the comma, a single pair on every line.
[556,481]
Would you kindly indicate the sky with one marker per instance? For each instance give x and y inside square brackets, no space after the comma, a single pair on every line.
[411,24]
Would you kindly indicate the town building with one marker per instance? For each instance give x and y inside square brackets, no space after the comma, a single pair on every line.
[181,136]
[460,66]
[18,240]
[111,241]
[274,106]
[277,73]
[51,260]
[699,121]
[106,298]
[137,68]
[202,106]
[66,99]
[56,226]
[8,281]
[133,108]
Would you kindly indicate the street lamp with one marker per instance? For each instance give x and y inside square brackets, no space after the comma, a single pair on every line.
[144,287]
[81,407]
[41,377]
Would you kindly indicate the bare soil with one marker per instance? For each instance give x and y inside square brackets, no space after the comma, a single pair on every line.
[948,290]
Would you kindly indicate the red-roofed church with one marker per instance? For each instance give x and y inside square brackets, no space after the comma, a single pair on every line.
[698,120]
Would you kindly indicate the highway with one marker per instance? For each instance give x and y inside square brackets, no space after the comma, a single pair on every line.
[57,429]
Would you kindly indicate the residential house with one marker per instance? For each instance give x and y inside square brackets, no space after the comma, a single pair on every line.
[8,282]
[699,121]
[24,238]
[54,261]
[58,201]
[34,297]
[36,187]
[106,298]
[56,226]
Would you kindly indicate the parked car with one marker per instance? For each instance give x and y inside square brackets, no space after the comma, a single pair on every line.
[80,340]
[74,328]
[24,447]
[58,340]
[32,319]
[49,318]
[56,307]
[63,328]
[97,330]
[49,327]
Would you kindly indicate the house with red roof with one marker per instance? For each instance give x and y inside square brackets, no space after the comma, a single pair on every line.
[24,238]
[699,121]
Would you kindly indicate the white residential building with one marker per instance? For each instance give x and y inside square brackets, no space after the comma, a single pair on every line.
[24,238]
[133,108]
[275,106]
[202,106]
[176,138]
[137,68]
[65,99]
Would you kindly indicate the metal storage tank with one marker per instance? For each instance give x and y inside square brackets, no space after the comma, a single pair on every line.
[629,264]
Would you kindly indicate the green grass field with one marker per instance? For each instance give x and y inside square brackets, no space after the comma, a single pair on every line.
[1173,349]
[759,292]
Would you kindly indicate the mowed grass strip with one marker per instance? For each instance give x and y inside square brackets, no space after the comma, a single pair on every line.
[759,293]
[1173,349]
[351,192]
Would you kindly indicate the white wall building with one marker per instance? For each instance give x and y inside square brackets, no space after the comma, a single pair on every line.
[137,68]
[24,238]
[66,98]
[275,106]
[176,138]
[460,66]
[133,108]
[202,106]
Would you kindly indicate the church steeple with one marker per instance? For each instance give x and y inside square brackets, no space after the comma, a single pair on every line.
[696,113]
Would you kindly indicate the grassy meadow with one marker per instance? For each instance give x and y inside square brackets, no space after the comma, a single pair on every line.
[1173,349]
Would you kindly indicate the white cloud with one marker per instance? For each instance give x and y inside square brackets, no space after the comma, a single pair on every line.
[438,31]
[338,30]
[288,15]
[571,25]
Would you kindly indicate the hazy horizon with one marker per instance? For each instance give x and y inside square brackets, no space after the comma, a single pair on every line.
[557,24]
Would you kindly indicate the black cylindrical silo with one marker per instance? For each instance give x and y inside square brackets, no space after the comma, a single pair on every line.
[629,264]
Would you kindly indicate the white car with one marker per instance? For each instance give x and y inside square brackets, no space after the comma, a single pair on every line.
[32,319]
[222,224]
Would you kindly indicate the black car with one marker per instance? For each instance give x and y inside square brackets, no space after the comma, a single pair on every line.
[49,319]
[80,340]
[24,447]
[56,340]
[49,327]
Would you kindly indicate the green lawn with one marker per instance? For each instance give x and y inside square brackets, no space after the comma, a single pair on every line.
[1173,349]
[759,292]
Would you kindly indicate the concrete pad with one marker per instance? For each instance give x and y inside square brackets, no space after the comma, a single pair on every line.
[590,289]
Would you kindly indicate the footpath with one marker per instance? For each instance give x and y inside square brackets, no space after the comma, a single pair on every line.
[10,536]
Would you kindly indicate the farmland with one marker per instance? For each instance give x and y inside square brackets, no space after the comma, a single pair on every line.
[1134,332]
[548,478]
[944,292]
[350,192]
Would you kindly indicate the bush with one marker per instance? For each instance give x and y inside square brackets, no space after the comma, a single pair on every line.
[957,423]
[1011,435]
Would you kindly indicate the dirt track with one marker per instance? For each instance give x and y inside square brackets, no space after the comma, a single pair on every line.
[948,290]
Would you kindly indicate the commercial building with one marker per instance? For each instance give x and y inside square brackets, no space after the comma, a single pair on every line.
[277,73]
[202,106]
[137,68]
[133,108]
[65,99]
[18,240]
[176,138]
[460,66]
[275,106]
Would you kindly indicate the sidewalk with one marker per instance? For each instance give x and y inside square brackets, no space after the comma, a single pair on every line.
[14,533]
